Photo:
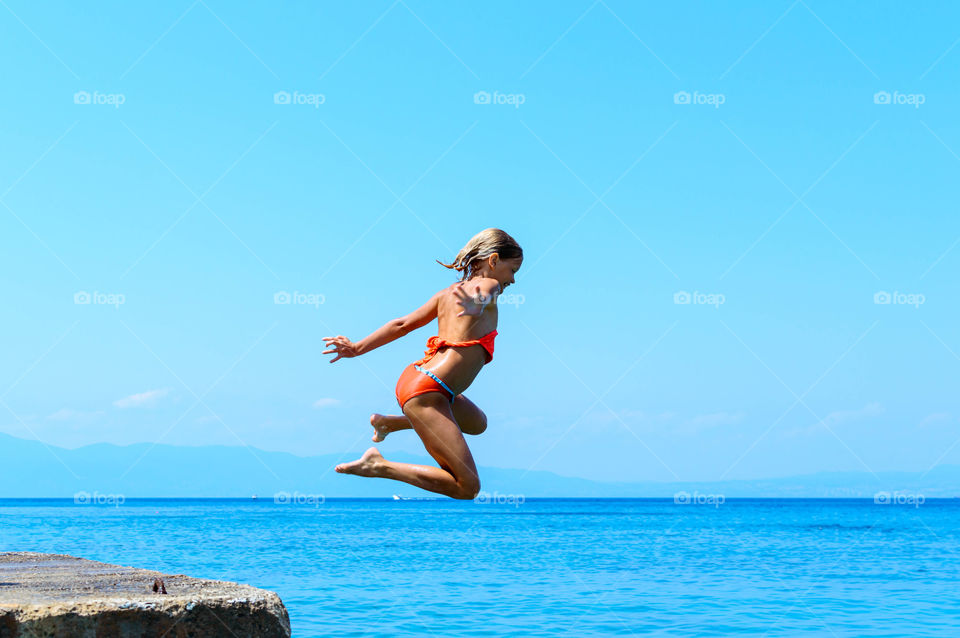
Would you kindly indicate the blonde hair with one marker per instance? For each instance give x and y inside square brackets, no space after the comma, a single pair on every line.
[481,246]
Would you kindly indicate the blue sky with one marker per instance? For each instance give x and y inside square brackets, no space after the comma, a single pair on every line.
[781,163]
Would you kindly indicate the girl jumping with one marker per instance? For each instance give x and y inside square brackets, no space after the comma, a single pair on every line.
[429,391]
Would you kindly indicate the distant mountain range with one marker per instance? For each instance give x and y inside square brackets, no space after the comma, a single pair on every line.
[31,469]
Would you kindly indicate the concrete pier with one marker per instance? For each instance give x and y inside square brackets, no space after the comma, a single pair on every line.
[53,595]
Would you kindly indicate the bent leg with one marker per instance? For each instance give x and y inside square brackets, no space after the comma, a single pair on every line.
[432,419]
[384,424]
[468,416]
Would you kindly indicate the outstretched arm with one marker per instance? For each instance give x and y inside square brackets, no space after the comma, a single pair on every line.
[344,348]
[474,297]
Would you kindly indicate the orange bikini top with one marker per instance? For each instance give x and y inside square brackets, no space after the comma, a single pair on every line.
[435,343]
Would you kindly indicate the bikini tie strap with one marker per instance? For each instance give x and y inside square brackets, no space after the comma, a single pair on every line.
[434,344]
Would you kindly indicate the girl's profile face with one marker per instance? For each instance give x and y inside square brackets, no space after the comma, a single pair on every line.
[505,269]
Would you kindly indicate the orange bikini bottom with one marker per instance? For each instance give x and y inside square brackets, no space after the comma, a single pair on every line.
[415,381]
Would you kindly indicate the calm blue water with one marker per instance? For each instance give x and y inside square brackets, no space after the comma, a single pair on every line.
[545,567]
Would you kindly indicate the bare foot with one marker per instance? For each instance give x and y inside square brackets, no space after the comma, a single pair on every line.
[367,465]
[384,425]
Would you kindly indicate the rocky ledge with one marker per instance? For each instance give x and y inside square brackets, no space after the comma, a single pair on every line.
[52,595]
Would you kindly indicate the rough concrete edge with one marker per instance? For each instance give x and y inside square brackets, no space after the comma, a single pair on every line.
[175,606]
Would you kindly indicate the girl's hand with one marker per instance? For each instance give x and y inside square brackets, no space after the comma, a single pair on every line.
[341,346]
[474,304]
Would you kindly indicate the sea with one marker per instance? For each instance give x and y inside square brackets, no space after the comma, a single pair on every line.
[505,565]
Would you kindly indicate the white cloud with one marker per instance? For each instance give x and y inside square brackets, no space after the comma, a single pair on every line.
[840,417]
[714,419]
[325,403]
[845,416]
[663,422]
[143,400]
[934,419]
[64,414]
